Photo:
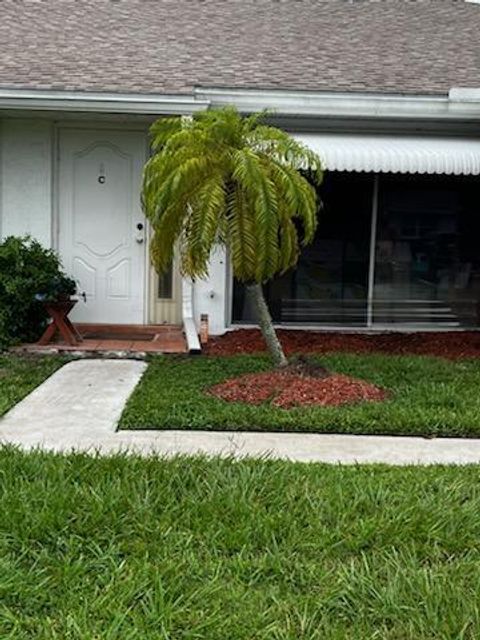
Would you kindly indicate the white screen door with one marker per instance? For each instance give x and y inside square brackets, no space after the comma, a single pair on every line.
[101,225]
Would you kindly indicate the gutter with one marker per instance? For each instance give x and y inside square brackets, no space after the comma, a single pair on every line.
[85,102]
[460,104]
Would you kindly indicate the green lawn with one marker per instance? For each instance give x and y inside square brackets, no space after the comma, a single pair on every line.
[125,549]
[430,397]
[21,374]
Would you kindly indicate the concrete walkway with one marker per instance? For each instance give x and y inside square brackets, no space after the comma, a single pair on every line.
[81,402]
[80,405]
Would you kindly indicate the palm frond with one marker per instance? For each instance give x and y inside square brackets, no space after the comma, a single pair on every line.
[253,180]
[219,177]
[201,229]
[281,146]
[241,236]
[162,129]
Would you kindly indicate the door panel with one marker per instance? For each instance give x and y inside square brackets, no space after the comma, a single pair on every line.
[99,210]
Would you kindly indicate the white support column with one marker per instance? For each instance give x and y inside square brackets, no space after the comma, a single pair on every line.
[211,293]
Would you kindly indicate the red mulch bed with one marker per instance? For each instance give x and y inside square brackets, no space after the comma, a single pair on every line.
[287,390]
[451,345]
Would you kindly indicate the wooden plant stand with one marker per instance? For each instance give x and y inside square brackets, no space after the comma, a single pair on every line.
[58,312]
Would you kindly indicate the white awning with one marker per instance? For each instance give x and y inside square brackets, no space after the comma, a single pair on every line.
[396,154]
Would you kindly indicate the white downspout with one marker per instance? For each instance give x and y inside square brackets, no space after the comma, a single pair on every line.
[189,328]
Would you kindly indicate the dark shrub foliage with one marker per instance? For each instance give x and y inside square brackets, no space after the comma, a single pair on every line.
[29,274]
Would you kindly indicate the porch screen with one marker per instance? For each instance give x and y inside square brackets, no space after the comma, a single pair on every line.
[390,249]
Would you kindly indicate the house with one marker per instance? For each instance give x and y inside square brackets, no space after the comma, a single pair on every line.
[387,92]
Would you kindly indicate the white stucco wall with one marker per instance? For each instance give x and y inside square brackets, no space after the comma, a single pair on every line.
[211,295]
[26,179]
[26,206]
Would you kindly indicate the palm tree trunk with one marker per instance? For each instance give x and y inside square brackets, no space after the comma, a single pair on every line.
[255,292]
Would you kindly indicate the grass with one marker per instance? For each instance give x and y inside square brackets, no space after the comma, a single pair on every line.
[430,397]
[21,374]
[124,548]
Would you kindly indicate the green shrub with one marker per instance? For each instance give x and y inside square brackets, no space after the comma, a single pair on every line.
[4,338]
[29,274]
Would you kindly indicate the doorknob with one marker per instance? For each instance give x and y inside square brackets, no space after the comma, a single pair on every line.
[140,236]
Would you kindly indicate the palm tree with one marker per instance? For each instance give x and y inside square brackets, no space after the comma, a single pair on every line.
[218,177]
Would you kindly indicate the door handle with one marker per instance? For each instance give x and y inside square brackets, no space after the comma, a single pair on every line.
[140,235]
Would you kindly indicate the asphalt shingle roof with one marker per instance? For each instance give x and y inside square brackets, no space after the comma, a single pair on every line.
[170,46]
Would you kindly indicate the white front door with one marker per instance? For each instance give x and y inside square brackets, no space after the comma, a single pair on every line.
[101,225]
